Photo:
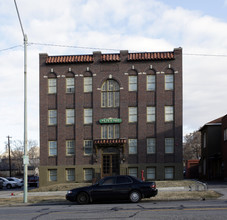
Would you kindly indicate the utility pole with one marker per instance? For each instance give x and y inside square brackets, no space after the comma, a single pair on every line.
[10,169]
[25,157]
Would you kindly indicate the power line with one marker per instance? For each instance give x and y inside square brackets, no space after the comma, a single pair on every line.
[10,48]
[205,55]
[98,48]
[71,46]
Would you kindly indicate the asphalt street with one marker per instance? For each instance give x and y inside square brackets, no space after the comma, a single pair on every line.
[208,209]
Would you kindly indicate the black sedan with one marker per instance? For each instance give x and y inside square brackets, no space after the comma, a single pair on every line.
[113,188]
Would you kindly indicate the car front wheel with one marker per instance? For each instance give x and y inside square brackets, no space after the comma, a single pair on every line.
[135,196]
[82,198]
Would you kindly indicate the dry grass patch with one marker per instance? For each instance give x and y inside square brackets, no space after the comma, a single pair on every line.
[162,196]
[68,186]
[33,200]
[59,187]
[175,183]
[186,195]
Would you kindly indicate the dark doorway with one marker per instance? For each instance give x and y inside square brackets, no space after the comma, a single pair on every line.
[110,164]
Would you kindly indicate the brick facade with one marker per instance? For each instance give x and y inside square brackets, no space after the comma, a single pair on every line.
[117,67]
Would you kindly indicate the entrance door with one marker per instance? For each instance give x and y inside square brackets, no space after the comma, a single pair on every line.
[110,164]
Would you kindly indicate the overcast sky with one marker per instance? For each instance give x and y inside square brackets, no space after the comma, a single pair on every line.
[198,26]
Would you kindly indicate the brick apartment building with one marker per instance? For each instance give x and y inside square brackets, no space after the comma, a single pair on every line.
[109,114]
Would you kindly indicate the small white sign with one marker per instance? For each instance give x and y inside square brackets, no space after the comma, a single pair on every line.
[25,160]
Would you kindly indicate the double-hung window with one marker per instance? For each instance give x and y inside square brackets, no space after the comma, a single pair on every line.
[132,114]
[88,147]
[169,112]
[169,173]
[133,171]
[169,145]
[151,82]
[52,86]
[151,173]
[70,174]
[52,148]
[88,116]
[151,114]
[151,145]
[52,117]
[52,175]
[70,87]
[132,143]
[169,80]
[88,84]
[70,116]
[70,147]
[132,83]
[88,174]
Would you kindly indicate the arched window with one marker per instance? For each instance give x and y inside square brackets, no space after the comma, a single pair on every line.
[110,94]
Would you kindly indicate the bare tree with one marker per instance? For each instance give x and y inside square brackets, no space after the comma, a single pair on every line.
[192,146]
[33,154]
[18,152]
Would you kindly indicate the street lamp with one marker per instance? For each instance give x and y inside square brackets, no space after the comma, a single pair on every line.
[25,157]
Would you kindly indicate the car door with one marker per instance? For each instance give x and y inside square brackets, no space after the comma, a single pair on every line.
[122,187]
[104,189]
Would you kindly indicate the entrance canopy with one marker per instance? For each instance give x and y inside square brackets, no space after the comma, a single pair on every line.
[110,141]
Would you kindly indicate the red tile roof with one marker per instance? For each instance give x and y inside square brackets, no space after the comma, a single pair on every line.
[70,59]
[110,57]
[151,56]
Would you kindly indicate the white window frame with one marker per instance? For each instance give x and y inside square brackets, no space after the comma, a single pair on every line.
[169,173]
[133,171]
[169,113]
[151,82]
[88,174]
[88,116]
[52,86]
[151,114]
[132,145]
[169,82]
[110,131]
[132,114]
[169,145]
[70,85]
[52,148]
[52,117]
[52,175]
[151,145]
[151,173]
[70,174]
[132,83]
[88,84]
[70,147]
[88,147]
[70,116]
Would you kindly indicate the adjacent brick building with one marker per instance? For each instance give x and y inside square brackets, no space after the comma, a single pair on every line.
[213,162]
[108,114]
